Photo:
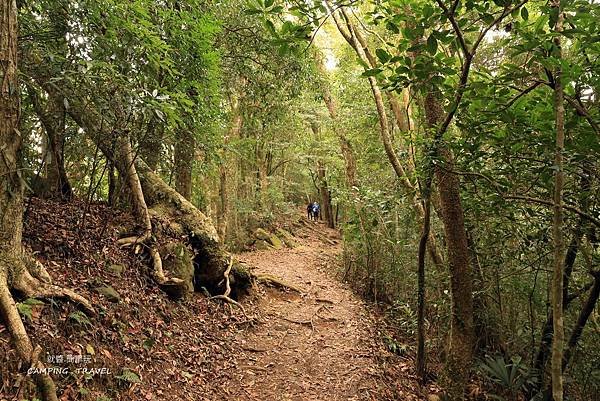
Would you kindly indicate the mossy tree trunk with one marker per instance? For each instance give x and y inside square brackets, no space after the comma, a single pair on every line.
[461,339]
[184,161]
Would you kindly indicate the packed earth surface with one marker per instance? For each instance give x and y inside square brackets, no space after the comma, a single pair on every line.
[314,345]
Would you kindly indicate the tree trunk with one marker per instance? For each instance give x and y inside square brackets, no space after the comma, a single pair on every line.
[421,356]
[223,206]
[12,264]
[545,346]
[234,131]
[488,333]
[262,182]
[325,195]
[185,148]
[557,226]
[52,118]
[586,311]
[126,161]
[460,352]
[151,143]
[322,182]
[112,184]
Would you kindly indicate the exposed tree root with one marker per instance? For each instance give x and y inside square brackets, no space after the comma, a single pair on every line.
[184,219]
[272,280]
[225,297]
[158,273]
[22,343]
[30,286]
[135,239]
[143,215]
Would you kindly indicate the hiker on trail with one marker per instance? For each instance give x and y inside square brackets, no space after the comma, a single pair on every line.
[316,210]
[309,211]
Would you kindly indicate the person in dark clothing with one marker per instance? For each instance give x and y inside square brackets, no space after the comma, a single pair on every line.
[309,211]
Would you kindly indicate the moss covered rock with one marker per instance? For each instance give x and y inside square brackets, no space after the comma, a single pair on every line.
[262,234]
[275,241]
[262,245]
[178,261]
[287,237]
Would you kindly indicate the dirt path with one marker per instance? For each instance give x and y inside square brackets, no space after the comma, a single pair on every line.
[319,345]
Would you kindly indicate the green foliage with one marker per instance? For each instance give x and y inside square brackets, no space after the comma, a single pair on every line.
[512,376]
[129,376]
[394,347]
[25,307]
[80,318]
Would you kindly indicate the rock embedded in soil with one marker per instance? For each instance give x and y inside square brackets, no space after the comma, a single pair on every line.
[287,237]
[262,234]
[116,269]
[109,293]
[275,241]
[179,261]
[262,245]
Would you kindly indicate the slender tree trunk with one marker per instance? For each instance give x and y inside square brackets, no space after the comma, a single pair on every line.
[327,210]
[421,356]
[127,160]
[223,205]
[325,195]
[557,226]
[57,174]
[185,148]
[151,143]
[234,131]
[52,117]
[112,184]
[545,346]
[261,182]
[487,328]
[584,315]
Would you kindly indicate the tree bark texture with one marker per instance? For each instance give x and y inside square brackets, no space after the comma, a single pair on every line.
[460,351]
[234,131]
[557,225]
[185,147]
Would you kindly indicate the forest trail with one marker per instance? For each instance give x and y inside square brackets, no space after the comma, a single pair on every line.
[319,345]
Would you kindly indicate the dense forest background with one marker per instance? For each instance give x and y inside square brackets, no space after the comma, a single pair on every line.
[455,145]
